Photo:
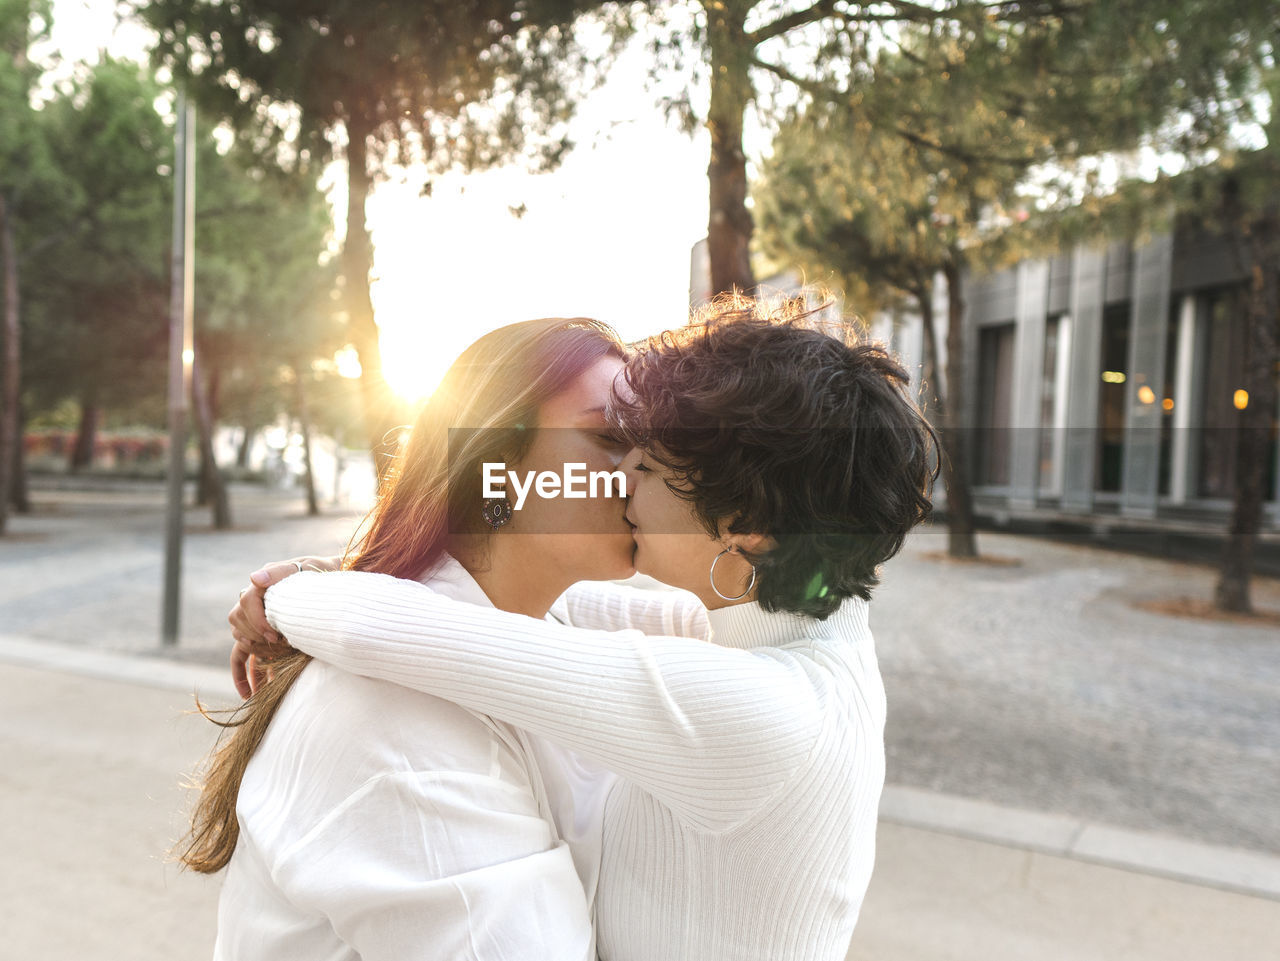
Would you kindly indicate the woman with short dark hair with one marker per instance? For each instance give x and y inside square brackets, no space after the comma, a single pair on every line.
[778,462]
[781,426]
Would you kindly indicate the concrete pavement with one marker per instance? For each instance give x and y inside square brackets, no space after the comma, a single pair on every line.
[86,567]
[90,801]
[1051,678]
[1071,778]
[937,897]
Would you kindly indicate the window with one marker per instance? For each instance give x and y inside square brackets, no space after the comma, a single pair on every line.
[995,403]
[1111,397]
[1223,345]
[1168,398]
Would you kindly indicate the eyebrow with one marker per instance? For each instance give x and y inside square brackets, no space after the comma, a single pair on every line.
[594,410]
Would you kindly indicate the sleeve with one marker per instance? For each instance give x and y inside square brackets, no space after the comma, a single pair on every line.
[416,867]
[606,606]
[712,732]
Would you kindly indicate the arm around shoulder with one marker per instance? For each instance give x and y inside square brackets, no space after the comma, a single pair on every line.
[710,731]
[609,606]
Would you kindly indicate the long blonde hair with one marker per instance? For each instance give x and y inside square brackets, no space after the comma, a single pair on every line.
[482,411]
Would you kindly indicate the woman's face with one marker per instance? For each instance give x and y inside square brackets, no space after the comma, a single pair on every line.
[580,538]
[672,545]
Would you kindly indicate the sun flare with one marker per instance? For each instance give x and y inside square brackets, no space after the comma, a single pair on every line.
[415,358]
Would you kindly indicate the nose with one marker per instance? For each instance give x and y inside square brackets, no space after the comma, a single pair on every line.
[629,466]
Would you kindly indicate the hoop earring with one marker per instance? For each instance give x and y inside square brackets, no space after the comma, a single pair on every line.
[725,597]
[496,512]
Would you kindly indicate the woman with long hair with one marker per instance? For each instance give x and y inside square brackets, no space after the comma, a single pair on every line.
[361,819]
[778,463]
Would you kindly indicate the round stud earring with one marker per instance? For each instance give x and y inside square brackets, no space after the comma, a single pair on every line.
[496,511]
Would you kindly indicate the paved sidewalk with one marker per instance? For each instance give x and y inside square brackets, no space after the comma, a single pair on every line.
[1071,776]
[936,897]
[90,801]
[86,567]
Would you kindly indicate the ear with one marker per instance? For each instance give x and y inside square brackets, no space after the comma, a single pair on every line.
[749,543]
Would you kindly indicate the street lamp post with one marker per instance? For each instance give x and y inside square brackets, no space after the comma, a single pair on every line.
[181,353]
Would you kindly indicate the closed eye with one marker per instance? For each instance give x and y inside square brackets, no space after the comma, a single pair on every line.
[614,441]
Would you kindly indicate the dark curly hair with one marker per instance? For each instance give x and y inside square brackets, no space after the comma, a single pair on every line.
[779,422]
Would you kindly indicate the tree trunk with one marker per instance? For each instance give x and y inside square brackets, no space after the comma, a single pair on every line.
[1253,424]
[730,226]
[246,442]
[339,465]
[11,370]
[208,481]
[87,435]
[304,420]
[19,497]
[932,398]
[357,263]
[211,479]
[204,486]
[961,540]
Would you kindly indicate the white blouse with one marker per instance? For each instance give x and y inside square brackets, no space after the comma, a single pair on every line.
[751,767]
[384,824]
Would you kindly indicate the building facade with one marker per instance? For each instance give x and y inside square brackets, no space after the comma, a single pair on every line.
[1105,383]
[1101,385]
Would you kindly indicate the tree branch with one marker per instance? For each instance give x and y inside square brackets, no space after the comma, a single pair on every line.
[1045,10]
[918,12]
[967,156]
[821,9]
[1013,10]
[822,92]
[810,86]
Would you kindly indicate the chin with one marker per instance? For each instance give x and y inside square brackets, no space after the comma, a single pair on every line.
[642,566]
[615,564]
[620,568]
[668,577]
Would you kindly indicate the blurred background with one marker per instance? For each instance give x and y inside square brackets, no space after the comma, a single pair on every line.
[1060,215]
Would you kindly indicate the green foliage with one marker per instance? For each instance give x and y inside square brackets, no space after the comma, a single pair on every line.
[999,136]
[888,182]
[1198,115]
[28,180]
[450,83]
[261,236]
[264,280]
[22,23]
[94,257]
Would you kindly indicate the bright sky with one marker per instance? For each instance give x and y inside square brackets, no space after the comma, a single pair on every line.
[607,235]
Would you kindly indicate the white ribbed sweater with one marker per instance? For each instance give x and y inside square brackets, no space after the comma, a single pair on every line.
[744,823]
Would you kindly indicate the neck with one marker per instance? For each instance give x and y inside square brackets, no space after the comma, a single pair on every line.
[714,602]
[511,582]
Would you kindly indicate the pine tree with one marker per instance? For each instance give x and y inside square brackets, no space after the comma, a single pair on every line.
[452,84]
